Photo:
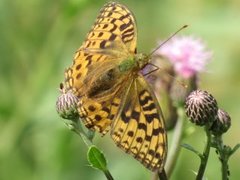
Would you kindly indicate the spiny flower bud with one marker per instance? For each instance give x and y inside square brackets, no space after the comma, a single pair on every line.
[66,105]
[201,107]
[222,123]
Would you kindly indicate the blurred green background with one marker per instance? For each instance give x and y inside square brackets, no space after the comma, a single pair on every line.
[37,42]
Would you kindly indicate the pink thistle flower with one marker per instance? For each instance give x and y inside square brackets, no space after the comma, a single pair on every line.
[187,54]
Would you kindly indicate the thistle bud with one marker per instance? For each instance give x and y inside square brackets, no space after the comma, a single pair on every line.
[222,123]
[66,105]
[201,107]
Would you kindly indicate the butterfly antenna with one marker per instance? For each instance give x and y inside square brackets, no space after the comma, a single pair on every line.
[183,27]
[167,73]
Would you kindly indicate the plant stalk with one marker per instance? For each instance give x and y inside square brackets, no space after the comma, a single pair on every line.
[205,155]
[223,155]
[108,175]
[175,145]
[162,175]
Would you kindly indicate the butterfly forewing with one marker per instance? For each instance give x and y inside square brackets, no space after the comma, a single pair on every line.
[111,39]
[114,23]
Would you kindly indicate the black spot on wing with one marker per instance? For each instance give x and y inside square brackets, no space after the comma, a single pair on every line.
[123,26]
[78,76]
[148,138]
[97,117]
[124,117]
[139,139]
[107,110]
[142,126]
[130,133]
[91,108]
[149,107]
[120,130]
[109,14]
[135,115]
[113,28]
[143,98]
[158,131]
[124,143]
[157,155]
[78,67]
[102,44]
[124,17]
[105,26]
[151,152]
[112,37]
[100,34]
[113,21]
[150,117]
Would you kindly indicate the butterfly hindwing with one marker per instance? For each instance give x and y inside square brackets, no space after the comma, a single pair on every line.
[98,115]
[139,127]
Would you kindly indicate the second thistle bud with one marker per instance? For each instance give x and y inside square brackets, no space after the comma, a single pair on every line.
[201,107]
[222,123]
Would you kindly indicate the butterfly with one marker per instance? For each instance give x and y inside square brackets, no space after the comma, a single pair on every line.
[112,93]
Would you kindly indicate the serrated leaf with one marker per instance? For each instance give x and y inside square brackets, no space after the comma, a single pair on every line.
[96,158]
[190,148]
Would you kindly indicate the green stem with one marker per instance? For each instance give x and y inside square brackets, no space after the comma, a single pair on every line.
[162,175]
[77,128]
[225,171]
[175,146]
[204,157]
[223,155]
[108,175]
[87,139]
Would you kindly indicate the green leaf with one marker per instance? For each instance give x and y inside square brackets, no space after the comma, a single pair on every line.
[96,158]
[235,149]
[190,148]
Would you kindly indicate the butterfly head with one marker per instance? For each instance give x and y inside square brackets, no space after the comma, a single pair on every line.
[142,60]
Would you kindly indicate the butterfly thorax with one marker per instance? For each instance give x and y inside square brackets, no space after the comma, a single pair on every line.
[134,63]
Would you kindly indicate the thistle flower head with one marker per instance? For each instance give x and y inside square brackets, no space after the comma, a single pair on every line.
[187,54]
[201,107]
[66,105]
[222,123]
